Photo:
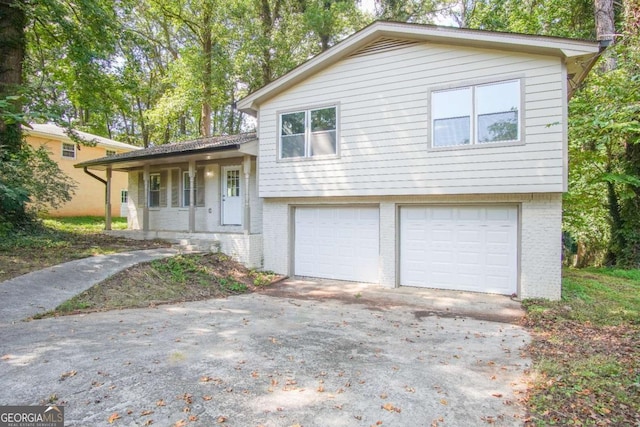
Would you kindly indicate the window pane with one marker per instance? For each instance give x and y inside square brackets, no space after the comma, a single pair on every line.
[454,131]
[186,190]
[324,119]
[323,143]
[292,123]
[292,146]
[451,103]
[498,127]
[154,199]
[155,182]
[68,150]
[497,108]
[498,97]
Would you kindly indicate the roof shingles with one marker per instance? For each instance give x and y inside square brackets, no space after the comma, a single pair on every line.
[213,143]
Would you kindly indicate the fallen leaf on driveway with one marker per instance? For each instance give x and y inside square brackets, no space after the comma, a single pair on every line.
[207,397]
[161,403]
[444,401]
[67,375]
[147,412]
[391,408]
[180,423]
[496,394]
[113,417]
[221,419]
[193,418]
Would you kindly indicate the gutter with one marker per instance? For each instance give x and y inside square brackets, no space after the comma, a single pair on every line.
[116,159]
[107,202]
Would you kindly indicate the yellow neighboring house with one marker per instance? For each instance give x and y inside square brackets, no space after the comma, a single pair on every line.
[89,192]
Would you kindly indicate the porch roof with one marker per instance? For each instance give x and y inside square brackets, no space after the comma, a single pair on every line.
[198,149]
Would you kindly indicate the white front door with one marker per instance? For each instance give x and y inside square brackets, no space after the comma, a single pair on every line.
[231,196]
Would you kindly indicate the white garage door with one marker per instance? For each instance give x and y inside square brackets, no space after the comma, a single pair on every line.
[337,243]
[461,248]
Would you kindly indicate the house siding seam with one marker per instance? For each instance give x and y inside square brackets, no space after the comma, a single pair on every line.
[539,250]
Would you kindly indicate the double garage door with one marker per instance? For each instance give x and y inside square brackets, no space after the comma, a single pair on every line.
[471,248]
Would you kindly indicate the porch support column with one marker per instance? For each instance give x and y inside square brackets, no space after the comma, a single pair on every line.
[107,201]
[192,196]
[246,166]
[145,206]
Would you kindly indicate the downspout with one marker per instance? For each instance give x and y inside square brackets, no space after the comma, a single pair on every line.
[107,202]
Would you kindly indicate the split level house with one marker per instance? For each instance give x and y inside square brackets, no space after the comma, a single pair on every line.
[405,155]
[89,194]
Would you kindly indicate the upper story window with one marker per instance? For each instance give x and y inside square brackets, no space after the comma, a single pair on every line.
[68,150]
[476,114]
[110,153]
[309,133]
[154,190]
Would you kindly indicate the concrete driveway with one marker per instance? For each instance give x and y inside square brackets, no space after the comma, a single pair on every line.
[309,353]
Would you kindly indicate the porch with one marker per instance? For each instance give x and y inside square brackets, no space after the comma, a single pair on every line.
[246,248]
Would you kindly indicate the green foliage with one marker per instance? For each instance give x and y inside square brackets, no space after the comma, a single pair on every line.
[262,278]
[30,182]
[179,267]
[603,204]
[232,285]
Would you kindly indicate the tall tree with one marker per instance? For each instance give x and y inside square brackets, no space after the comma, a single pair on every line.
[12,51]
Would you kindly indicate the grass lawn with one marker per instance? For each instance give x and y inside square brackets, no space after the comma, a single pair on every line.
[586,351]
[59,240]
[186,277]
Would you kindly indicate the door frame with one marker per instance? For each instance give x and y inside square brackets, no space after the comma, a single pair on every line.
[223,193]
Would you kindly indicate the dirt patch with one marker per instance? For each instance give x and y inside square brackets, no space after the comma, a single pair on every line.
[181,278]
[382,301]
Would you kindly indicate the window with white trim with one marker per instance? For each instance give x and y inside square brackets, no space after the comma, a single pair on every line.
[154,190]
[124,196]
[477,114]
[68,150]
[309,133]
[110,153]
[186,190]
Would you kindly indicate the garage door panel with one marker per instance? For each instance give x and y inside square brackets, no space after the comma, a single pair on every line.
[459,247]
[337,243]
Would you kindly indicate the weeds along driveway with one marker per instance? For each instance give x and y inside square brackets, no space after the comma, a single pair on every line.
[266,360]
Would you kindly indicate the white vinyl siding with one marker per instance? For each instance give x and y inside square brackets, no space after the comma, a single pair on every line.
[384,127]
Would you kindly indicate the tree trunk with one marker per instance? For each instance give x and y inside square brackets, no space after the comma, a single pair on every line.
[12,48]
[207,48]
[605,28]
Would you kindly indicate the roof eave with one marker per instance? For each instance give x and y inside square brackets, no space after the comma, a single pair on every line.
[102,163]
[564,48]
[66,138]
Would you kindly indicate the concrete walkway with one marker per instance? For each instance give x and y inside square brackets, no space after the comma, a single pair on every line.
[43,290]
